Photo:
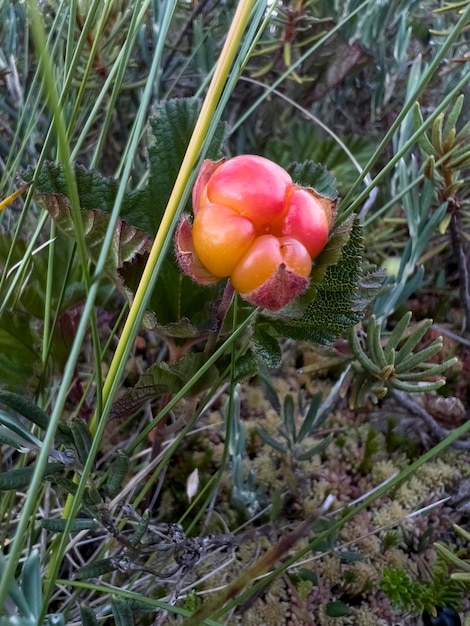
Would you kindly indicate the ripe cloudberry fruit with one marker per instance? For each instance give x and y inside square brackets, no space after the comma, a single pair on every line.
[252,223]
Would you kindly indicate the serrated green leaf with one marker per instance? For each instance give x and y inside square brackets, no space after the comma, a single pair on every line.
[31,582]
[162,378]
[58,525]
[21,478]
[140,216]
[246,366]
[182,307]
[266,348]
[129,242]
[339,301]
[172,128]
[316,176]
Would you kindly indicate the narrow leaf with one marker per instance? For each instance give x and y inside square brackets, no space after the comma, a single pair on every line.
[452,117]
[31,582]
[34,414]
[310,417]
[87,616]
[266,437]
[397,333]
[21,478]
[82,439]
[318,449]
[95,569]
[58,525]
[121,611]
[117,472]
[267,348]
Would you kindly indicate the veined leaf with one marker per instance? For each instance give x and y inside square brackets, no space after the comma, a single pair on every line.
[21,478]
[175,297]
[316,176]
[163,378]
[267,348]
[338,302]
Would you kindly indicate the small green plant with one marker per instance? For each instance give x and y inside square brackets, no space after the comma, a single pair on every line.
[26,596]
[392,362]
[419,596]
[299,423]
